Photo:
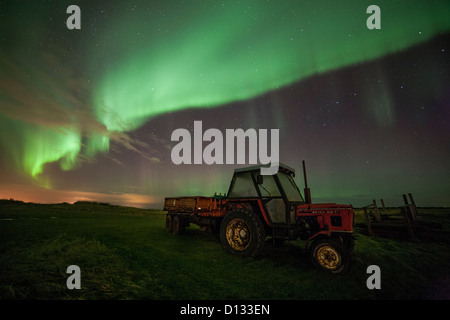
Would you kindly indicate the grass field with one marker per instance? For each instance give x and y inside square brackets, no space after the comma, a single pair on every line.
[125,253]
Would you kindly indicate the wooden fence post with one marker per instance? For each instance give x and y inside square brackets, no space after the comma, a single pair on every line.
[384,209]
[376,212]
[404,211]
[407,207]
[414,213]
[369,225]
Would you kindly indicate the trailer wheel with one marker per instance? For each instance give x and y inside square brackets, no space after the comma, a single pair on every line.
[169,219]
[177,225]
[242,233]
[330,255]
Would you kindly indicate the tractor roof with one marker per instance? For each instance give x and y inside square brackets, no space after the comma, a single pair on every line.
[281,168]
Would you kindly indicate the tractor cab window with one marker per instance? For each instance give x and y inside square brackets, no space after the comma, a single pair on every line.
[289,187]
[243,186]
[268,187]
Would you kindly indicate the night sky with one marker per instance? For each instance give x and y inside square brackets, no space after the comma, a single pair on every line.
[88,114]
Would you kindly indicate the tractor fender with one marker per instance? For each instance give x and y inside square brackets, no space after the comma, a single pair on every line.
[328,234]
[319,235]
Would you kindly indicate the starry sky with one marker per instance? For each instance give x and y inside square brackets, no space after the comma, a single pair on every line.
[88,114]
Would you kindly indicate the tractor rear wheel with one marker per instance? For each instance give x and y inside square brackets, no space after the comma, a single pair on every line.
[330,255]
[242,233]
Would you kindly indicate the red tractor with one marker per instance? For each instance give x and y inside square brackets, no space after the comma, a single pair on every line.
[259,208]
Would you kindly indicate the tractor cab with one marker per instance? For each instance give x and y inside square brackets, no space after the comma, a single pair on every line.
[278,193]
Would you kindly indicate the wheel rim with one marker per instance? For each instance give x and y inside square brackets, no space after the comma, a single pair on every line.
[328,257]
[238,235]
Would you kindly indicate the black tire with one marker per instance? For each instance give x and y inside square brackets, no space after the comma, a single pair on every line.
[177,225]
[169,219]
[330,255]
[349,243]
[242,233]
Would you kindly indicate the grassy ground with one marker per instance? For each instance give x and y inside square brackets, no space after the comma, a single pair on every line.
[125,253]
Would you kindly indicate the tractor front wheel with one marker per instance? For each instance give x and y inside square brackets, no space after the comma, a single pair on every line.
[330,255]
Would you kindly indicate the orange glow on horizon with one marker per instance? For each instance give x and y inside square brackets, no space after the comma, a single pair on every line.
[36,194]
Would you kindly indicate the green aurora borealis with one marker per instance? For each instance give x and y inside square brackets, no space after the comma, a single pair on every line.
[216,53]
[76,97]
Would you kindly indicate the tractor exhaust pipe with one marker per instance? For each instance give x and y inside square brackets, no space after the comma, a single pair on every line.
[306,190]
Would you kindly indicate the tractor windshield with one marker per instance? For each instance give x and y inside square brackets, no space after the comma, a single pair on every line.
[290,188]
